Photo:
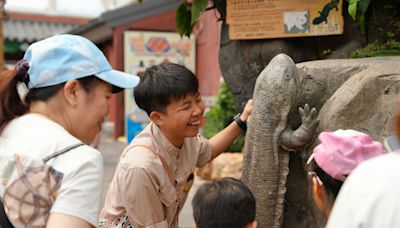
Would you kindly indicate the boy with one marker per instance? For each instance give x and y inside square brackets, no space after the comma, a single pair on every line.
[155,172]
[224,203]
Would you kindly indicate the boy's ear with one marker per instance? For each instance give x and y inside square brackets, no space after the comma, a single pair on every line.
[70,91]
[156,118]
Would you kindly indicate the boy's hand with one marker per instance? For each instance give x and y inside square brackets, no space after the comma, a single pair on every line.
[247,110]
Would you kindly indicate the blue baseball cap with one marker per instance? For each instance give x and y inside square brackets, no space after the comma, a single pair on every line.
[60,58]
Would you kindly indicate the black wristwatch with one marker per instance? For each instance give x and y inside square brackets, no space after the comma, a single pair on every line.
[240,122]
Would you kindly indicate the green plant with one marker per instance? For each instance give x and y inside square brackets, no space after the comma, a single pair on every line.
[391,47]
[358,8]
[221,115]
[189,12]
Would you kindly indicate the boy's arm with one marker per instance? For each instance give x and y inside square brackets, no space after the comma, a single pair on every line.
[142,204]
[225,138]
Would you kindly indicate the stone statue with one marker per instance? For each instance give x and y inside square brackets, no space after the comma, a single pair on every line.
[361,94]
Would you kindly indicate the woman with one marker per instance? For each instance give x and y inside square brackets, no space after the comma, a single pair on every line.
[55,99]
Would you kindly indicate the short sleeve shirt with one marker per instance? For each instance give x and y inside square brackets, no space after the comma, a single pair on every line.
[142,188]
[37,136]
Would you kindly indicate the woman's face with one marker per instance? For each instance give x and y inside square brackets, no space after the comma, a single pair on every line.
[91,110]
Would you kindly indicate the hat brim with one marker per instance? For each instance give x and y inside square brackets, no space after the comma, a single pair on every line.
[120,80]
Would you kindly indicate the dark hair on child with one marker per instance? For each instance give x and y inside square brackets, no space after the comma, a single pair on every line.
[331,185]
[11,105]
[161,84]
[224,203]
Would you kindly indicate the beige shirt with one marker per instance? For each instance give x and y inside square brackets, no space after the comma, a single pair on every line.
[142,189]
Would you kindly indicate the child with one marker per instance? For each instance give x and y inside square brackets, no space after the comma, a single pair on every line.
[224,203]
[370,197]
[155,172]
[334,159]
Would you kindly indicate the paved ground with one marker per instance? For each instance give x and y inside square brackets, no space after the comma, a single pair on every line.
[111,150]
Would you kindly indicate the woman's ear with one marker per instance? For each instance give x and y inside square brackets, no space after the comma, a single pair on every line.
[156,118]
[70,92]
[253,224]
[317,193]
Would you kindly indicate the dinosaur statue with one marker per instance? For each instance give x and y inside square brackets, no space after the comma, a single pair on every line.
[360,94]
[270,139]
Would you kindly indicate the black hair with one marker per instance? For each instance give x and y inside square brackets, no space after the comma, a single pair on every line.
[331,185]
[11,105]
[224,203]
[45,93]
[161,84]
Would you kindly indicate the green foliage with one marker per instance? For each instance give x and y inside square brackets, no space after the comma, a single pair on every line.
[183,20]
[390,48]
[359,8]
[221,115]
[188,15]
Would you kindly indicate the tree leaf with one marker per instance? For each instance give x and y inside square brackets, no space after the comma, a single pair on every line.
[363,6]
[353,8]
[198,7]
[183,18]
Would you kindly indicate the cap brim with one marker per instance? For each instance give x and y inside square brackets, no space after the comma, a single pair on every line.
[119,79]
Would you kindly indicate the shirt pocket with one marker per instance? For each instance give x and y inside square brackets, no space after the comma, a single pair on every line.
[170,201]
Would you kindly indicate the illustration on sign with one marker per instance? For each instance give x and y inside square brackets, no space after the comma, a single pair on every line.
[325,12]
[296,22]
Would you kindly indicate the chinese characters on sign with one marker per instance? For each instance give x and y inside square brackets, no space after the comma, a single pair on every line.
[260,19]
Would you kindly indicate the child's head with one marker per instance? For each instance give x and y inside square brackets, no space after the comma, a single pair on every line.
[162,84]
[334,159]
[224,203]
[169,94]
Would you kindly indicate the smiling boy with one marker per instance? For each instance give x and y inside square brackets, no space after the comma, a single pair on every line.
[156,171]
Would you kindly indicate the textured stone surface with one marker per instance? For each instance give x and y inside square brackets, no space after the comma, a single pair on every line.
[225,165]
[361,94]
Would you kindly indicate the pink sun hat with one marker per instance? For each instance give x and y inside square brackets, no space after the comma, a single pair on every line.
[341,151]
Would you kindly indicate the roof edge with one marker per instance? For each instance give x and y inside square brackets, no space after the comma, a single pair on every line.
[45,18]
[136,11]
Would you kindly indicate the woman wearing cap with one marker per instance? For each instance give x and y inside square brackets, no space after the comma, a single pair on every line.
[334,159]
[55,99]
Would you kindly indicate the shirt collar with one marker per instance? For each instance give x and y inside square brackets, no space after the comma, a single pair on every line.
[163,141]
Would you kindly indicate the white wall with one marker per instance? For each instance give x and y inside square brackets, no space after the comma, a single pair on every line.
[79,8]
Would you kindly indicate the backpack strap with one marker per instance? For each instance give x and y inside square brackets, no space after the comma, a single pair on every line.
[47,158]
[4,221]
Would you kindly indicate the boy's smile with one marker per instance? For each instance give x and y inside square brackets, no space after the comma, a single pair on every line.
[182,118]
[194,124]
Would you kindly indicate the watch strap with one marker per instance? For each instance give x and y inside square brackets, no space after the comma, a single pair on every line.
[240,122]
